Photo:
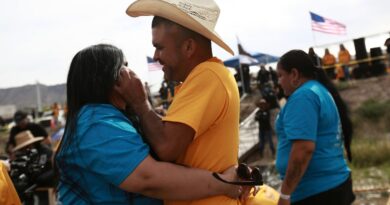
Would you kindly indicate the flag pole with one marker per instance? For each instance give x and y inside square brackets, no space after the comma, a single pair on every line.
[314,40]
[240,69]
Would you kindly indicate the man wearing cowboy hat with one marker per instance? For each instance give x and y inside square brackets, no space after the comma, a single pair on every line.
[42,174]
[200,128]
[25,140]
[22,124]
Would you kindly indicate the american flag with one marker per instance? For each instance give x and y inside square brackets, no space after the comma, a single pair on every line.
[325,25]
[153,65]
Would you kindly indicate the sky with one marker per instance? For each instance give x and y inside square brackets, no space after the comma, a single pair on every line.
[38,39]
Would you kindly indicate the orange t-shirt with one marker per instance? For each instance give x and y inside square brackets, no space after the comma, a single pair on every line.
[344,57]
[328,59]
[8,194]
[208,101]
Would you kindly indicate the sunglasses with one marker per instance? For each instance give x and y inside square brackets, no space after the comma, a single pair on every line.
[250,176]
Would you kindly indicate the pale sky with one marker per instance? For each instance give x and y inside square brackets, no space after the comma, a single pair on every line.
[39,38]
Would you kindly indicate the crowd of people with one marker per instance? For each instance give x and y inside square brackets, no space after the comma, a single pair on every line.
[116,148]
[343,69]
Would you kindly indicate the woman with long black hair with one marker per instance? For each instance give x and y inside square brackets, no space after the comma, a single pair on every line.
[312,128]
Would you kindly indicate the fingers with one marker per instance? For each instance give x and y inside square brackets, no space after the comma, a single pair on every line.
[256,190]
[245,193]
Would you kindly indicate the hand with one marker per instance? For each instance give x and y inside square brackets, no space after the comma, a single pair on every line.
[232,191]
[160,111]
[130,87]
[245,173]
[236,191]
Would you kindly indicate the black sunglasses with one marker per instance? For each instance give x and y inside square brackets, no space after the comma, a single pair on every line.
[250,178]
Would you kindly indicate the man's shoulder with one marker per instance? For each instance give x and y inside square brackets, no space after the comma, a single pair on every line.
[14,129]
[34,125]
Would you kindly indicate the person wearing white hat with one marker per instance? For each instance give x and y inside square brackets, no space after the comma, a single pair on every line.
[22,123]
[201,126]
[102,159]
[25,140]
[38,168]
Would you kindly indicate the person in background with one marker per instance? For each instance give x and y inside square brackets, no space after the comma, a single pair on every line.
[317,61]
[263,77]
[55,108]
[274,75]
[263,117]
[149,94]
[387,44]
[329,61]
[39,170]
[344,58]
[102,159]
[313,128]
[22,124]
[164,94]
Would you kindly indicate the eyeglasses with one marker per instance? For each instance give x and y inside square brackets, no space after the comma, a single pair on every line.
[250,176]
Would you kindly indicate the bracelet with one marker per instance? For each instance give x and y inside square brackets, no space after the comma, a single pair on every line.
[284,196]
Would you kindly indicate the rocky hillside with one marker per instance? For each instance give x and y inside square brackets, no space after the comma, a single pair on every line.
[26,96]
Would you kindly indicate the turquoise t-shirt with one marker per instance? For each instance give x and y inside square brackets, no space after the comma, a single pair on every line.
[311,114]
[105,151]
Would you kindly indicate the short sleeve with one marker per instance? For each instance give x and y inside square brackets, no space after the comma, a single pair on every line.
[301,116]
[113,150]
[199,103]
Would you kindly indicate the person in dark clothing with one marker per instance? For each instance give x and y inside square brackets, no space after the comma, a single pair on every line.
[274,75]
[38,170]
[262,76]
[265,129]
[247,78]
[387,44]
[23,124]
[279,92]
[317,61]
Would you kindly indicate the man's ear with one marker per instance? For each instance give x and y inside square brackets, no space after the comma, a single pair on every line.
[189,47]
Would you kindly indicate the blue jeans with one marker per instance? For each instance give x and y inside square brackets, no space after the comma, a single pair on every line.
[346,72]
[264,137]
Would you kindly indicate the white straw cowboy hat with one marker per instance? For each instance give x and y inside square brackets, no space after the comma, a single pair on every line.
[198,15]
[24,139]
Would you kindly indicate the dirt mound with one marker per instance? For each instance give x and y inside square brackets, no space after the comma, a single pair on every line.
[354,92]
[358,91]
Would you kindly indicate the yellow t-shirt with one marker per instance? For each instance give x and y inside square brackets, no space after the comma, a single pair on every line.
[208,101]
[8,194]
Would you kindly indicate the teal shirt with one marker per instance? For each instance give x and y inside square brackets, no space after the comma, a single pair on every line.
[105,150]
[311,114]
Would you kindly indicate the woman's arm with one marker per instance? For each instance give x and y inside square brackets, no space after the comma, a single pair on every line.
[300,156]
[169,181]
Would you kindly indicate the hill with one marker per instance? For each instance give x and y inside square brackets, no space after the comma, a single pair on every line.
[26,96]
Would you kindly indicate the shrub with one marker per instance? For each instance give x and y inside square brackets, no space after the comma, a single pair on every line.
[370,152]
[373,110]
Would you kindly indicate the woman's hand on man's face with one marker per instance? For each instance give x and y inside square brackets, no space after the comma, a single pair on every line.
[131,88]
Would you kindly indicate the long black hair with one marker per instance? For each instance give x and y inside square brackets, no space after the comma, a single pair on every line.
[91,78]
[301,61]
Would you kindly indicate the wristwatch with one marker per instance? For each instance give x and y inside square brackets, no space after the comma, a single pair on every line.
[284,196]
